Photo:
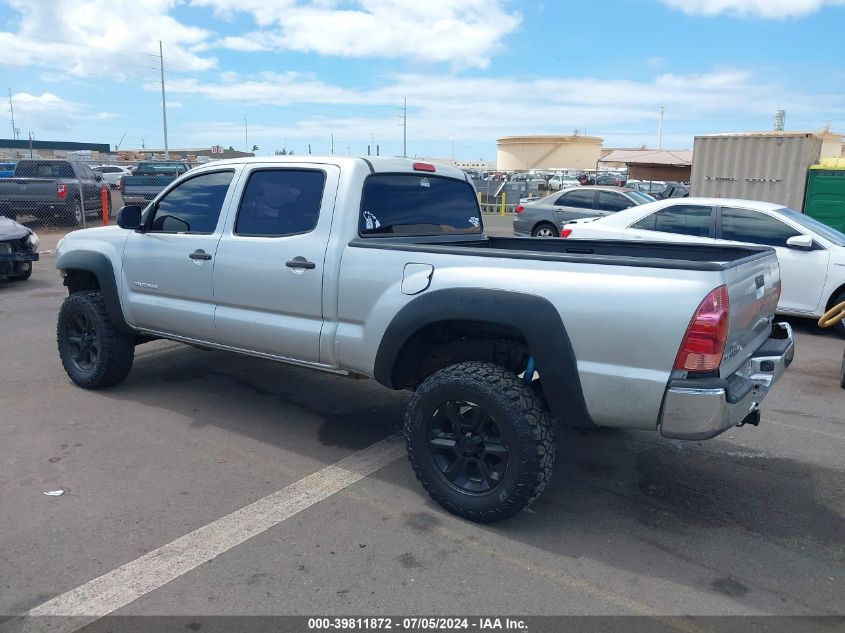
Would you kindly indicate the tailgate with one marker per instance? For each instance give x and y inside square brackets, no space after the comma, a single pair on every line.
[753,290]
[29,189]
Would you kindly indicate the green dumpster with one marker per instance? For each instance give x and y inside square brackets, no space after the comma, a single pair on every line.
[825,197]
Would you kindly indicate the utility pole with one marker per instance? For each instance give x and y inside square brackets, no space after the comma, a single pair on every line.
[142,143]
[405,129]
[660,131]
[12,110]
[30,143]
[163,106]
[332,142]
[246,135]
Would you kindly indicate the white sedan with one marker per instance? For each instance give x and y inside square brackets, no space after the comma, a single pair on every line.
[112,174]
[811,254]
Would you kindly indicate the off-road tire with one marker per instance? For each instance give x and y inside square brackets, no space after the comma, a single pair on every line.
[535,232]
[116,348]
[523,420]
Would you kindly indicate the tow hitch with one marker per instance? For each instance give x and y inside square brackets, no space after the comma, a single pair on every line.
[753,417]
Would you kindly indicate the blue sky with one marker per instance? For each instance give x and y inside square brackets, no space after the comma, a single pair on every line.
[301,71]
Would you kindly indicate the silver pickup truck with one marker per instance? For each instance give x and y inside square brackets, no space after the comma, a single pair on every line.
[381,268]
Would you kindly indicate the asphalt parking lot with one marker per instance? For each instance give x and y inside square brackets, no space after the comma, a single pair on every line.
[752,522]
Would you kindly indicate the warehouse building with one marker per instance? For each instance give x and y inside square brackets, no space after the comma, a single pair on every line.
[15,149]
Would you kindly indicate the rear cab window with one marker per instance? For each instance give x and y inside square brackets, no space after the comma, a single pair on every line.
[44,169]
[409,204]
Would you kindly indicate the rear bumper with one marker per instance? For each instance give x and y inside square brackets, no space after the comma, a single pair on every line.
[702,408]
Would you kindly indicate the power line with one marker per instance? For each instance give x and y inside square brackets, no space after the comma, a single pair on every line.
[65,71]
[105,48]
[76,57]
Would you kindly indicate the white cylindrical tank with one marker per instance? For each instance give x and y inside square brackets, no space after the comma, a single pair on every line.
[522,153]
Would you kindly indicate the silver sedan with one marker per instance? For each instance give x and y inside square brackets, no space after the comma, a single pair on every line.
[546,217]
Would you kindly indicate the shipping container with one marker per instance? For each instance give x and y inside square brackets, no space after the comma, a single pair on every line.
[826,192]
[768,166]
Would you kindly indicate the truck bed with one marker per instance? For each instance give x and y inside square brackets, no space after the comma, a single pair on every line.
[610,252]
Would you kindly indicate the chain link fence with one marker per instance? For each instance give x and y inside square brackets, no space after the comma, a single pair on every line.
[49,195]
[503,197]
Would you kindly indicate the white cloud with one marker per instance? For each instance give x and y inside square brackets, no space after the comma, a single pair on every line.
[79,37]
[768,9]
[44,112]
[464,34]
[450,107]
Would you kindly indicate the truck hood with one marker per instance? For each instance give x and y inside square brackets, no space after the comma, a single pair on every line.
[11,230]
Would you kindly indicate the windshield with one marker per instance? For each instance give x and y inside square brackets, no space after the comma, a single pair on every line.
[640,197]
[160,168]
[413,204]
[827,232]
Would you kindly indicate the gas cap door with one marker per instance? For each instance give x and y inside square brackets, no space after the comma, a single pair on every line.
[416,278]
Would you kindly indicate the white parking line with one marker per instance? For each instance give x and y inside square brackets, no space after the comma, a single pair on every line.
[129,582]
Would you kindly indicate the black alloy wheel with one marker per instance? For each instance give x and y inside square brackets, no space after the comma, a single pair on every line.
[467,447]
[83,341]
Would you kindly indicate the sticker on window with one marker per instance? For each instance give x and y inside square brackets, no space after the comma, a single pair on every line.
[424,182]
[474,221]
[370,221]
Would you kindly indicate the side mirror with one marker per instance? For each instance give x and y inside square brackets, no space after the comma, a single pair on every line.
[129,217]
[800,242]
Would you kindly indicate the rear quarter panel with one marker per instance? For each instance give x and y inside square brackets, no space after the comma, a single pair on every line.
[625,324]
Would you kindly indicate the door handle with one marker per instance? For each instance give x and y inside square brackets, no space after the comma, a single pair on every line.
[300,262]
[200,254]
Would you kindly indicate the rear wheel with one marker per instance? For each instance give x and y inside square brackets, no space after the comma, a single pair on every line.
[74,213]
[479,440]
[94,352]
[545,229]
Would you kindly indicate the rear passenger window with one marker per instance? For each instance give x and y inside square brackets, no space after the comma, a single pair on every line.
[610,201]
[193,206]
[279,202]
[683,219]
[744,225]
[577,199]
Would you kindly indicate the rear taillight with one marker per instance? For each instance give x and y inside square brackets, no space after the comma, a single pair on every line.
[61,191]
[520,209]
[565,232]
[704,342]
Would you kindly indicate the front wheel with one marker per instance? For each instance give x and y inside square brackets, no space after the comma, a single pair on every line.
[480,441]
[24,272]
[94,352]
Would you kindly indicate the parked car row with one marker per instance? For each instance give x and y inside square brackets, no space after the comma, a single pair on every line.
[547,216]
[811,254]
